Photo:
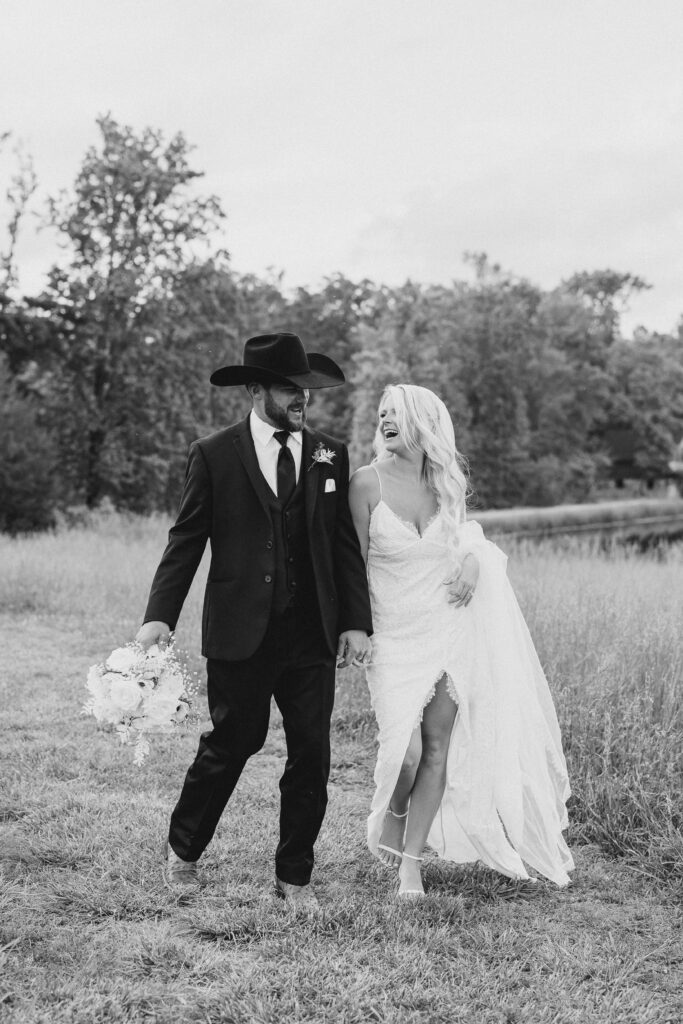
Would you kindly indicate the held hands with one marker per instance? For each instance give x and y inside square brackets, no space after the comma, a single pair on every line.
[153,633]
[462,584]
[353,648]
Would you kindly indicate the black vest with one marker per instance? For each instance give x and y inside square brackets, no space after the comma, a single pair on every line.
[294,580]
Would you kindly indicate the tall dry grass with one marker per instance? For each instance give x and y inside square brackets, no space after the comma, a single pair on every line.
[89,934]
[607,626]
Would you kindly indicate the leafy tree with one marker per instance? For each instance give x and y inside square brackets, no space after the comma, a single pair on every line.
[605,293]
[376,364]
[133,227]
[25,331]
[566,396]
[23,184]
[647,379]
[204,326]
[27,462]
[493,330]
[328,321]
[398,343]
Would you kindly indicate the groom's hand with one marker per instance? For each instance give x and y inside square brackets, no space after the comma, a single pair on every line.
[353,648]
[153,633]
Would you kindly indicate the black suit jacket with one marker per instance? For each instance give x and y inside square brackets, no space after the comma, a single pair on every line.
[226,501]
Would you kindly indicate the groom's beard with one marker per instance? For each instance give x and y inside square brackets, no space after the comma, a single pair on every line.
[285,417]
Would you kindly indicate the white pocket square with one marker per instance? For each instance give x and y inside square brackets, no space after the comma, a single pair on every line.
[330,485]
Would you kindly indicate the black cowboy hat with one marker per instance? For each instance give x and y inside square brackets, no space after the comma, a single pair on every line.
[280,359]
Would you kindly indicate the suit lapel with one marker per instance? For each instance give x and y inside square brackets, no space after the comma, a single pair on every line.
[244,446]
[310,477]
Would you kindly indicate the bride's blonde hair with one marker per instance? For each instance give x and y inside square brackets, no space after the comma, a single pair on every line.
[424,423]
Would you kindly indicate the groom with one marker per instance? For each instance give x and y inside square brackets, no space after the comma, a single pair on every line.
[286,598]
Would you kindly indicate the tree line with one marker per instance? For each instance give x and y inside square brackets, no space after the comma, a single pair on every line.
[104,374]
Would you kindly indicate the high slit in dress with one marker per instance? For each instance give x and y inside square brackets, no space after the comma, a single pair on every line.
[507,785]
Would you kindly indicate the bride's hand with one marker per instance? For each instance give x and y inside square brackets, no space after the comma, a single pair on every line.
[354,648]
[462,584]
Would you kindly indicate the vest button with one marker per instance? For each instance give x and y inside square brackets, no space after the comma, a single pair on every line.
[268,579]
[269,544]
[291,558]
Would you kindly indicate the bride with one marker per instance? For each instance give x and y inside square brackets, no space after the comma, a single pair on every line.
[470,756]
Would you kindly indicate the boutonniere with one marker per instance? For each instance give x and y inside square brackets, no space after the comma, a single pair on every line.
[322,454]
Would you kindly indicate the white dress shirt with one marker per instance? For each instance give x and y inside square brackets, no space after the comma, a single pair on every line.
[268,448]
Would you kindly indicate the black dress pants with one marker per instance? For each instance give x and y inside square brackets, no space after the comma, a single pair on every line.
[293,665]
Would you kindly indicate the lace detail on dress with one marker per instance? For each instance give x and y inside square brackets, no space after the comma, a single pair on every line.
[406,522]
[399,519]
[450,686]
[411,526]
[450,689]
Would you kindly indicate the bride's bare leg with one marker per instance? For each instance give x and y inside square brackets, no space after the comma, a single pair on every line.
[394,827]
[430,780]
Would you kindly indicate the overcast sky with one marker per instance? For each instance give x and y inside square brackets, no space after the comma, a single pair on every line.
[381,138]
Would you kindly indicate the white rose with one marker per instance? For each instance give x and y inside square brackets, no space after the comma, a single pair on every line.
[96,683]
[122,659]
[98,687]
[159,709]
[171,684]
[125,695]
[101,703]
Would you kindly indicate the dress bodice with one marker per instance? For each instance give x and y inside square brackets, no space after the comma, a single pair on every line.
[394,538]
[406,571]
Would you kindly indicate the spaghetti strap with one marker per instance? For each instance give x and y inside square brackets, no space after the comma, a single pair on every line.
[379,480]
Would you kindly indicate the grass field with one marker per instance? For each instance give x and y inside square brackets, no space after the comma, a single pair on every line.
[89,933]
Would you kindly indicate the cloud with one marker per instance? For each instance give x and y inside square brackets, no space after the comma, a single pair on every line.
[544,219]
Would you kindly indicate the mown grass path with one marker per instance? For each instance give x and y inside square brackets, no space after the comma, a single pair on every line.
[89,932]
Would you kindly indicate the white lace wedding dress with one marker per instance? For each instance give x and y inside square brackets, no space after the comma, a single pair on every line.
[507,785]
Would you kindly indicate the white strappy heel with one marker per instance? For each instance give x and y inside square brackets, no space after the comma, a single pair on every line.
[410,893]
[390,849]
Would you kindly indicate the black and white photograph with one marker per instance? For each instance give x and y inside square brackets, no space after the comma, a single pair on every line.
[341,512]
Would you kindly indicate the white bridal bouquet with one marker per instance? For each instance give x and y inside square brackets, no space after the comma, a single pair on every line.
[139,692]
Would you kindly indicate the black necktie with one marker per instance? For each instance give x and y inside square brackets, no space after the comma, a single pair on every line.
[286,473]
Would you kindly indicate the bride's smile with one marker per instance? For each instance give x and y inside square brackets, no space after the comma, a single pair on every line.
[394,442]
